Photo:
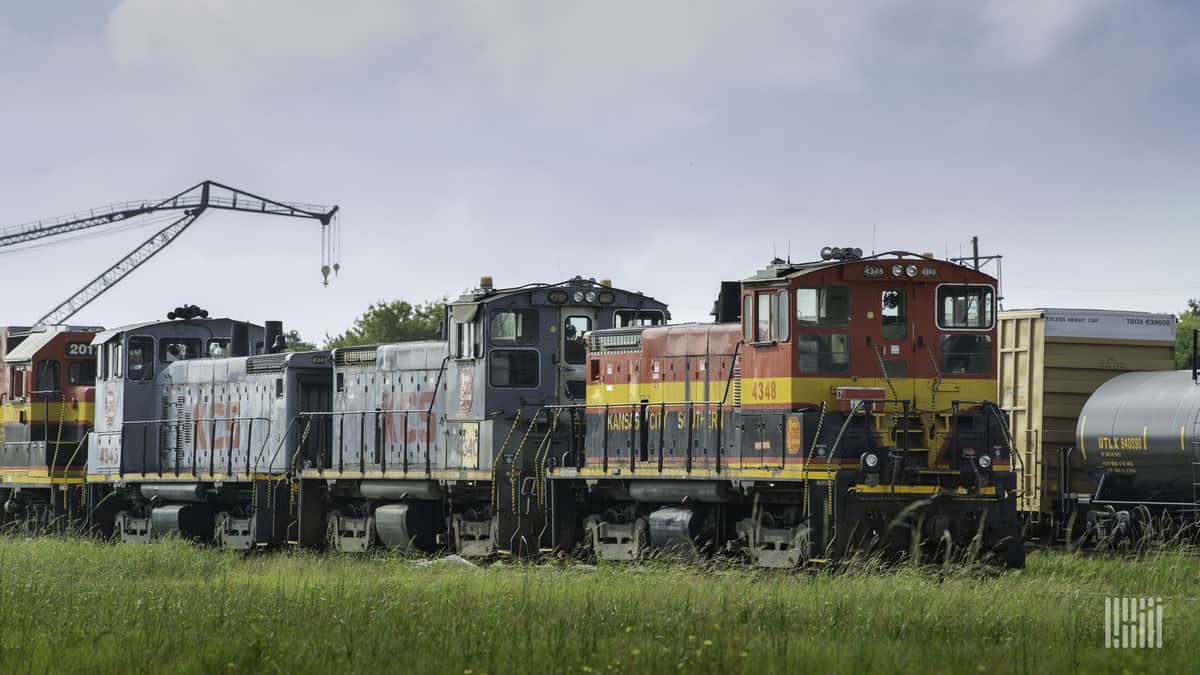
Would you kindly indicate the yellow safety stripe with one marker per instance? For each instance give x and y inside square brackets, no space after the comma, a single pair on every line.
[42,477]
[37,412]
[918,489]
[779,391]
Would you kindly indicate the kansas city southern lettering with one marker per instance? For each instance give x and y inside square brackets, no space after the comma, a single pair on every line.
[626,421]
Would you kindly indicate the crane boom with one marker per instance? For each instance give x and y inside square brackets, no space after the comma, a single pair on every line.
[193,202]
[119,270]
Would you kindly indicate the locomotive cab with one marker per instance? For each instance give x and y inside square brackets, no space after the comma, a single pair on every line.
[902,342]
[46,408]
[848,407]
[136,459]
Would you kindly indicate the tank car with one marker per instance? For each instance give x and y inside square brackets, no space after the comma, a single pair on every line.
[1139,437]
[47,397]
[195,432]
[848,404]
[434,444]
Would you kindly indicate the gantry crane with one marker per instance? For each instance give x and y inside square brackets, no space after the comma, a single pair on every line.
[192,203]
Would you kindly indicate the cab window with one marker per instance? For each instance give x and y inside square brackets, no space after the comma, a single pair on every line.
[141,358]
[967,354]
[466,340]
[771,322]
[514,368]
[116,356]
[824,353]
[46,378]
[894,315]
[516,326]
[639,318]
[218,348]
[965,306]
[762,327]
[574,349]
[824,306]
[16,381]
[178,349]
[82,373]
[780,313]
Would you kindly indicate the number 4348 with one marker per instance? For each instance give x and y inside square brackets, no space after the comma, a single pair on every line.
[763,391]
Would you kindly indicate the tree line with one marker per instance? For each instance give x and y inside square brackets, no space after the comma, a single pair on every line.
[383,322]
[1189,320]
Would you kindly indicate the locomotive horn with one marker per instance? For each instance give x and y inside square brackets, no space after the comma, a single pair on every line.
[826,253]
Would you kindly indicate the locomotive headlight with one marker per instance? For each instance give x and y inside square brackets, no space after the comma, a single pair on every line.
[607,298]
[871,460]
[897,270]
[911,270]
[578,296]
[591,296]
[929,271]
[985,461]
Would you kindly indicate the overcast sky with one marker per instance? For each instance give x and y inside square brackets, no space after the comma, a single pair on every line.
[667,145]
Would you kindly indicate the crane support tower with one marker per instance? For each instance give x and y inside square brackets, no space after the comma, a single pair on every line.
[191,204]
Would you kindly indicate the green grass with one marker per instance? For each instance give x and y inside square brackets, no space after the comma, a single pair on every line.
[82,606]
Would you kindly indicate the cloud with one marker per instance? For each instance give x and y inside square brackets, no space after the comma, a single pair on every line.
[519,45]
[232,37]
[1027,33]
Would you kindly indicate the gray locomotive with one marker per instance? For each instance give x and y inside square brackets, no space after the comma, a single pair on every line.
[194,432]
[437,444]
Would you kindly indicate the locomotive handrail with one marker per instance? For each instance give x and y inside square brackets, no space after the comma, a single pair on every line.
[690,405]
[146,424]
[378,413]
[662,406]
[995,411]
[1002,418]
[437,385]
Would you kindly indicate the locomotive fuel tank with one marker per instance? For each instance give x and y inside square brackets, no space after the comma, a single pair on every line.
[1139,437]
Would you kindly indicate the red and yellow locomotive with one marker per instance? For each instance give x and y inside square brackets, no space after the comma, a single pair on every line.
[842,404]
[47,405]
